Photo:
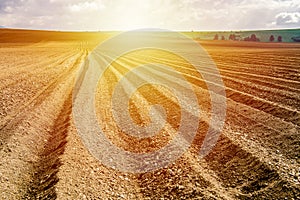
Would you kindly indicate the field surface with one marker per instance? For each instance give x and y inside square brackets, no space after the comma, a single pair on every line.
[42,156]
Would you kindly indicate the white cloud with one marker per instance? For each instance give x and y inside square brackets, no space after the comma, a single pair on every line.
[8,9]
[87,6]
[168,14]
[286,18]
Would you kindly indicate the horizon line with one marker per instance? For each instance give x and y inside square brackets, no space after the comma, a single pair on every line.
[93,31]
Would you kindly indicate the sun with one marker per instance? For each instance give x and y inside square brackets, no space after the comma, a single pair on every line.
[132,17]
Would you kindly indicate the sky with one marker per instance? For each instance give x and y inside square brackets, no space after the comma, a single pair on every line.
[98,15]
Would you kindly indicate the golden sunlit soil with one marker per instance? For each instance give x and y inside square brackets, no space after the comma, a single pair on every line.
[42,156]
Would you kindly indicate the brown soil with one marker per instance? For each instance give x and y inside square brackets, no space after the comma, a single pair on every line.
[42,156]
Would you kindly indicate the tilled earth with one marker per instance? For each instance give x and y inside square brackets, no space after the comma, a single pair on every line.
[43,157]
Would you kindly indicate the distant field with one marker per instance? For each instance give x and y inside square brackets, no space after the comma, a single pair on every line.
[263,36]
[14,36]
[42,156]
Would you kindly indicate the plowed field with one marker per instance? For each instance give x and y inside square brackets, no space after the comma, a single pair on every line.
[257,155]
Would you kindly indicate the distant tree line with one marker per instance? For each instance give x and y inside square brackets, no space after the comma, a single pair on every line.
[252,38]
[272,38]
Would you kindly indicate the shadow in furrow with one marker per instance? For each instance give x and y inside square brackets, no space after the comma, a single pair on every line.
[45,170]
[241,170]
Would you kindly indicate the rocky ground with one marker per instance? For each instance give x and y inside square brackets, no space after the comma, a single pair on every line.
[43,157]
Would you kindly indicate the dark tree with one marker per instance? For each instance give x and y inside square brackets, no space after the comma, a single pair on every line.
[272,38]
[232,37]
[253,37]
[216,37]
[279,39]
